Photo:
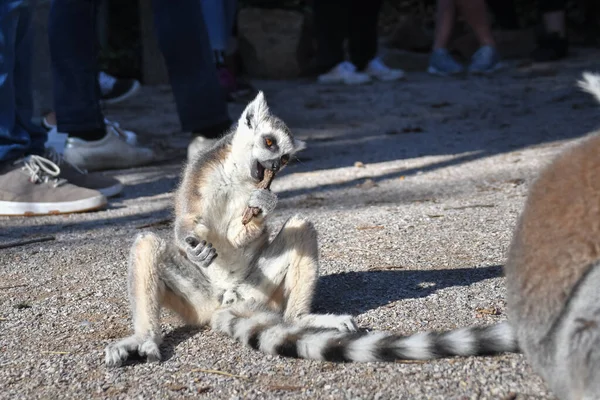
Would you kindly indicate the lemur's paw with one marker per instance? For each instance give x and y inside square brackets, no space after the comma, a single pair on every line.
[264,199]
[117,353]
[342,323]
[345,323]
[200,252]
[150,350]
[230,297]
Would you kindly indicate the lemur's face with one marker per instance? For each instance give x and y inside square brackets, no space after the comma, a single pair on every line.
[273,143]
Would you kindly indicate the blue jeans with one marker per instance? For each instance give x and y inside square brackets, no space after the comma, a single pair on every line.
[18,135]
[183,40]
[219,18]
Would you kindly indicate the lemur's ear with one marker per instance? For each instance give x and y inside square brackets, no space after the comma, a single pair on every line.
[299,145]
[256,111]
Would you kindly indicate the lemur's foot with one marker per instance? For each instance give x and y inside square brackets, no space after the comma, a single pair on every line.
[342,323]
[200,252]
[230,297]
[117,353]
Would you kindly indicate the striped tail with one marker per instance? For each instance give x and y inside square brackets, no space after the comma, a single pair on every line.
[266,331]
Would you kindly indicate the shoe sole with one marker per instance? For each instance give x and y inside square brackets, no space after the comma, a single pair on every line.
[496,68]
[112,190]
[437,72]
[343,82]
[134,89]
[389,79]
[10,208]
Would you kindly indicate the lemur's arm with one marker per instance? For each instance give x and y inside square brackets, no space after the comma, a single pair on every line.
[239,234]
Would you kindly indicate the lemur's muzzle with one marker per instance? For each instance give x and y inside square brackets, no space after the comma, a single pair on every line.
[274,164]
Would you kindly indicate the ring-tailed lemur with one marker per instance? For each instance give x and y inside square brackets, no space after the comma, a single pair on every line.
[257,290]
[553,270]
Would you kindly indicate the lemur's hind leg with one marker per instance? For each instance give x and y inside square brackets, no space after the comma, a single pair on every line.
[287,272]
[159,276]
[145,291]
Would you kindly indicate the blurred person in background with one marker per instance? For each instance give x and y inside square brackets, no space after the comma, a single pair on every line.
[485,60]
[92,142]
[355,21]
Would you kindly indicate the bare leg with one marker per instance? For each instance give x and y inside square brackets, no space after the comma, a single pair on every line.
[475,13]
[446,15]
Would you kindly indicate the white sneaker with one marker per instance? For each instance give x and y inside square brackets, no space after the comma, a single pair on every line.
[344,72]
[377,69]
[114,90]
[198,145]
[110,152]
[58,139]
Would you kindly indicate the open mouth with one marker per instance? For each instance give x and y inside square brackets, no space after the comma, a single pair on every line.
[258,171]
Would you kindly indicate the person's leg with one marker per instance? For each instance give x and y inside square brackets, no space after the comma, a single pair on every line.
[487,58]
[362,41]
[183,39]
[15,140]
[30,184]
[216,26]
[92,143]
[444,23]
[362,33]
[219,16]
[475,13]
[74,54]
[331,25]
[441,62]
[23,82]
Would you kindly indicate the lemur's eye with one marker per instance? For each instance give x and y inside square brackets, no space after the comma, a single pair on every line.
[285,158]
[269,142]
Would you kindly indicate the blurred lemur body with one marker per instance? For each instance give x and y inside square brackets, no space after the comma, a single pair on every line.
[553,270]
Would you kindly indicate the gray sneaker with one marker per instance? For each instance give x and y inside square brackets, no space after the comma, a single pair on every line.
[198,145]
[443,64]
[110,152]
[79,177]
[32,186]
[485,60]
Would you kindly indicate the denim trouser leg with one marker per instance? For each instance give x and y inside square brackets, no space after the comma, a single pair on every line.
[183,39]
[219,16]
[74,54]
[18,135]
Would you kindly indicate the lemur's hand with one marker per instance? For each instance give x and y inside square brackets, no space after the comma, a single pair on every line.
[200,252]
[263,199]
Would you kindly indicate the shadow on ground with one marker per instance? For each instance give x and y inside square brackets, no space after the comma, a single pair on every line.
[357,292]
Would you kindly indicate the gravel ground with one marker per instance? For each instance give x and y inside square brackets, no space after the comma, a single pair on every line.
[414,188]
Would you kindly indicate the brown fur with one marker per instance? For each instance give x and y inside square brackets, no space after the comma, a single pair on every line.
[558,234]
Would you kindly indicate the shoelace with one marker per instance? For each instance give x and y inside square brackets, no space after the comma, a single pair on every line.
[42,170]
[106,81]
[59,160]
